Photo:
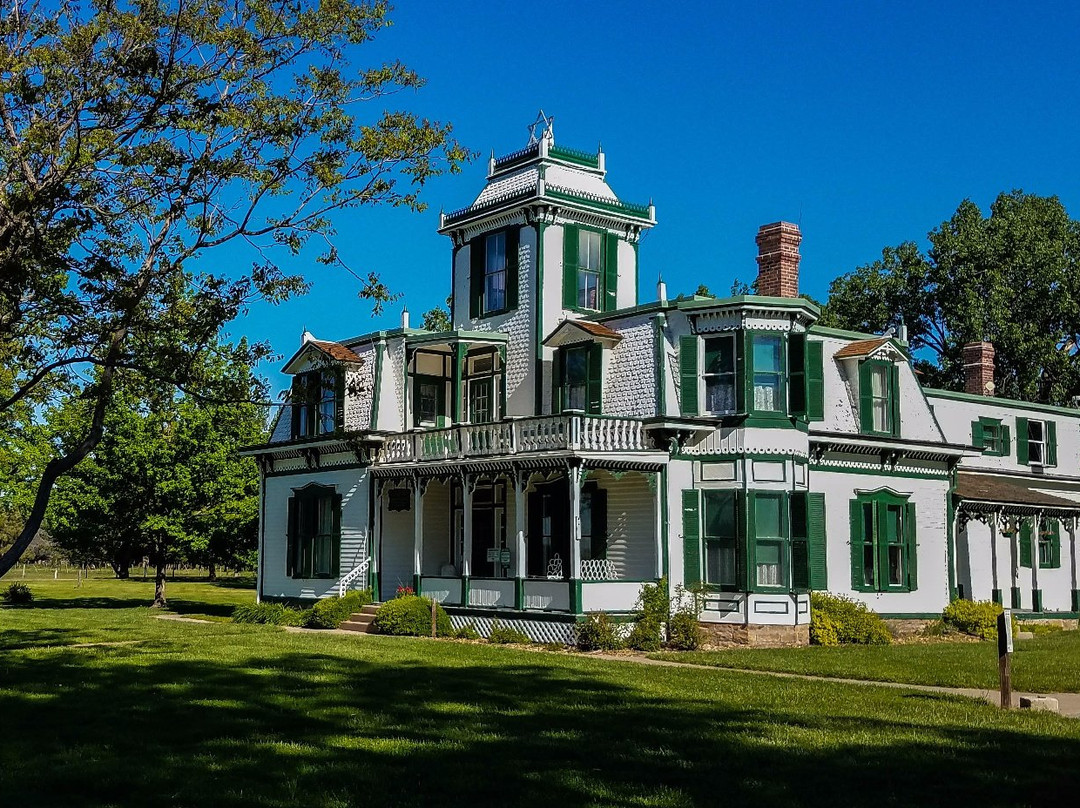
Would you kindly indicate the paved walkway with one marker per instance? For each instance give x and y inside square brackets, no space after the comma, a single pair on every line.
[1069,703]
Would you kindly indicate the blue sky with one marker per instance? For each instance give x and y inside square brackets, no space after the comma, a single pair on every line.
[867,123]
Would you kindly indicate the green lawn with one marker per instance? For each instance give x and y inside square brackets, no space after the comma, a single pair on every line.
[218,714]
[1049,663]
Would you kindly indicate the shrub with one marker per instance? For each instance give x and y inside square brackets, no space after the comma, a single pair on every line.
[273,614]
[18,594]
[654,603]
[410,615]
[823,629]
[598,633]
[684,631]
[854,622]
[507,635]
[977,618]
[467,632]
[332,612]
[645,635]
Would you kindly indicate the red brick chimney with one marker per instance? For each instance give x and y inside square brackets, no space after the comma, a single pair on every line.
[778,259]
[979,368]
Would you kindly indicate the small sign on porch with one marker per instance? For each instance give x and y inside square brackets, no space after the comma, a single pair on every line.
[495,554]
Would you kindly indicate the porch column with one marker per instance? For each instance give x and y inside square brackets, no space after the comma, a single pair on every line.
[575,538]
[521,481]
[1036,593]
[376,540]
[1014,566]
[658,521]
[467,485]
[419,487]
[995,591]
[1072,565]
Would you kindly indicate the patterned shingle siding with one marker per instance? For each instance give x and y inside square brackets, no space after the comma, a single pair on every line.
[629,382]
[359,390]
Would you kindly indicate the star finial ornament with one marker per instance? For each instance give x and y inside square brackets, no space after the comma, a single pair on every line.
[543,123]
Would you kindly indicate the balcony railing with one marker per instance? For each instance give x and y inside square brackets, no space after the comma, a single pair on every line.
[568,432]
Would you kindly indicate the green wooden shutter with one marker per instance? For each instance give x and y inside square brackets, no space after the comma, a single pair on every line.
[512,236]
[557,362]
[1051,443]
[306,526]
[750,572]
[911,529]
[800,530]
[691,516]
[815,530]
[1006,443]
[339,399]
[476,277]
[796,357]
[292,539]
[894,398]
[866,400]
[688,375]
[978,440]
[1022,441]
[857,583]
[594,388]
[1025,544]
[815,382]
[570,266]
[611,272]
[741,372]
[1055,545]
[599,523]
[740,539]
[335,550]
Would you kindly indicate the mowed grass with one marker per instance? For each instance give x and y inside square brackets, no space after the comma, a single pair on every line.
[216,714]
[1049,663]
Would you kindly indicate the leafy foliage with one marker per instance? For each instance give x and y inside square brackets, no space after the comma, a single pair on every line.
[18,594]
[1012,277]
[332,612]
[467,632]
[410,615]
[503,634]
[823,629]
[977,618]
[598,633]
[273,614]
[851,620]
[684,631]
[140,134]
[646,635]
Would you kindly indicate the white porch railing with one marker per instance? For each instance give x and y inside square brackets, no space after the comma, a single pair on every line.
[598,569]
[351,576]
[569,431]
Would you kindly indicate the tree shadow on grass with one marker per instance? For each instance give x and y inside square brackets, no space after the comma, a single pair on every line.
[121,726]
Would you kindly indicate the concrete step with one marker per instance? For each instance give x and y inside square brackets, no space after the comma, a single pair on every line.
[361,626]
[370,608]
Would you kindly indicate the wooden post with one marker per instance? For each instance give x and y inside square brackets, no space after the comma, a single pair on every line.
[1005,647]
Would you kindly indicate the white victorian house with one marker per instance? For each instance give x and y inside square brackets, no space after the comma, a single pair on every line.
[570,440]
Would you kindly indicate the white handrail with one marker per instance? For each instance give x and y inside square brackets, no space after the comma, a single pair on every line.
[351,576]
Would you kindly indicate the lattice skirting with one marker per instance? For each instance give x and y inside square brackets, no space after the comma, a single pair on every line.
[538,630]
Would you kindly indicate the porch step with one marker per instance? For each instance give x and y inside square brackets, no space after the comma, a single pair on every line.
[361,621]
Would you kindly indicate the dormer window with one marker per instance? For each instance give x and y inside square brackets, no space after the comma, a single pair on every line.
[316,398]
[879,397]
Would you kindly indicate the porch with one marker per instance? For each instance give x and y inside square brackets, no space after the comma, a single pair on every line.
[555,535]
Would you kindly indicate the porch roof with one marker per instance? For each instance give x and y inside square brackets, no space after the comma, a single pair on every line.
[655,461]
[984,492]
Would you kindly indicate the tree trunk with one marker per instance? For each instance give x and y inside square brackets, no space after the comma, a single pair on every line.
[211,570]
[159,584]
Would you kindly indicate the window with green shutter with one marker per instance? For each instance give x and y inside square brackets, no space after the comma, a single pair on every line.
[691,519]
[883,543]
[577,378]
[992,436]
[879,398]
[318,403]
[1036,442]
[816,548]
[769,548]
[1048,545]
[796,362]
[815,381]
[721,538]
[688,375]
[314,532]
[590,269]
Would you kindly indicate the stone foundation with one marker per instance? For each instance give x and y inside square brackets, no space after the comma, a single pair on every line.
[1065,623]
[736,634]
[902,629]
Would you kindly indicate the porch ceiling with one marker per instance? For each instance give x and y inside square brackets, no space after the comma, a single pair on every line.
[652,462]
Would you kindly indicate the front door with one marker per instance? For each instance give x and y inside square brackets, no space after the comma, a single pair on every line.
[549,530]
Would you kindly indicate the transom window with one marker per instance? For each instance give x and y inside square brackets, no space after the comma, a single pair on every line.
[495,273]
[719,374]
[768,373]
[589,269]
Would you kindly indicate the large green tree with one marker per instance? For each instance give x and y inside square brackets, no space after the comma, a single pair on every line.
[139,135]
[1011,277]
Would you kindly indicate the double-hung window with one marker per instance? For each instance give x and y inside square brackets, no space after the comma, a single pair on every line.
[879,410]
[495,273]
[589,270]
[770,540]
[315,403]
[990,435]
[721,538]
[768,373]
[1036,442]
[719,374]
[314,532]
[577,378]
[1036,438]
[883,543]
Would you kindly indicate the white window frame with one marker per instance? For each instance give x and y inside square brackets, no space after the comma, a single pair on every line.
[1033,444]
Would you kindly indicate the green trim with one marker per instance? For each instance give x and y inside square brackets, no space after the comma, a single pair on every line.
[995,596]
[881,501]
[551,615]
[519,594]
[1024,617]
[776,421]
[1076,600]
[618,207]
[538,378]
[380,349]
[575,596]
[843,333]
[637,275]
[910,475]
[575,156]
[305,470]
[459,335]
[1008,403]
[665,564]
[1036,600]
[633,311]
[751,301]
[417,580]
[465,590]
[1014,592]
[785,458]
[909,615]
